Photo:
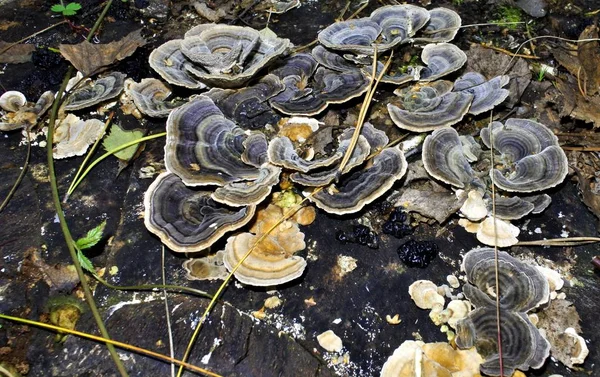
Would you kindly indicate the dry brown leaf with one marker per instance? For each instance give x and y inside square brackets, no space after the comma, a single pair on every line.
[20,53]
[589,55]
[91,58]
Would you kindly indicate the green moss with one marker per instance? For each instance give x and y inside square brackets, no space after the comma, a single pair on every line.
[506,15]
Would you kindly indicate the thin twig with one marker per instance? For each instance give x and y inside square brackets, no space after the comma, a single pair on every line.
[125,346]
[581,149]
[570,241]
[496,262]
[21,175]
[31,36]
[167,314]
[508,52]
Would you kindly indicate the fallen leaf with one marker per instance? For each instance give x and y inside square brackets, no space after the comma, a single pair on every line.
[20,53]
[118,137]
[91,58]
[588,54]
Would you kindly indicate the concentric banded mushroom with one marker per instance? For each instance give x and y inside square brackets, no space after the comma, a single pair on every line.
[522,287]
[73,136]
[523,346]
[441,59]
[239,194]
[356,35]
[444,159]
[282,152]
[486,94]
[203,147]
[98,91]
[150,97]
[12,101]
[331,60]
[442,26]
[27,115]
[511,208]
[532,159]
[172,65]
[426,109]
[187,219]
[398,23]
[364,186]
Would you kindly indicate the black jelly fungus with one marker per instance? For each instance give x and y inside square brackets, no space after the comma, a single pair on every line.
[417,253]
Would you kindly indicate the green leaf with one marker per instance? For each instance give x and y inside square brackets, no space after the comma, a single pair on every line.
[73,6]
[58,8]
[85,263]
[91,238]
[118,137]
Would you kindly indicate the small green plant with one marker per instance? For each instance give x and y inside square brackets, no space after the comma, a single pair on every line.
[66,10]
[542,73]
[89,240]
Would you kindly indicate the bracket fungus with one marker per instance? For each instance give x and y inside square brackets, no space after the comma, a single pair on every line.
[172,65]
[239,194]
[331,60]
[486,94]
[95,92]
[150,97]
[442,26]
[364,186]
[249,106]
[227,56]
[272,261]
[428,108]
[203,147]
[418,359]
[282,152]
[20,113]
[531,157]
[187,219]
[398,24]
[441,59]
[73,136]
[511,208]
[497,232]
[444,159]
[356,35]
[210,267]
[522,288]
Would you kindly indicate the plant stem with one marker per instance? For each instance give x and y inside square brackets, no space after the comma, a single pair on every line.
[61,216]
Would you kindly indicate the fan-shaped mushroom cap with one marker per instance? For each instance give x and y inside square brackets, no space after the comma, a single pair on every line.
[73,136]
[397,77]
[209,267]
[522,287]
[511,208]
[102,89]
[238,194]
[12,101]
[329,87]
[248,106]
[427,110]
[425,295]
[504,234]
[523,346]
[441,59]
[363,186]
[271,262]
[227,56]
[186,219]
[532,159]
[172,65]
[443,158]
[398,23]
[220,48]
[356,35]
[282,152]
[329,341]
[474,207]
[28,114]
[471,148]
[415,358]
[203,147]
[540,202]
[331,60]
[255,149]
[486,94]
[150,97]
[442,26]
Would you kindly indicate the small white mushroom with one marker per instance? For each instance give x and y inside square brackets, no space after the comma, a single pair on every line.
[424,294]
[580,350]
[453,281]
[555,281]
[474,207]
[329,341]
[12,101]
[468,225]
[504,233]
[458,309]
